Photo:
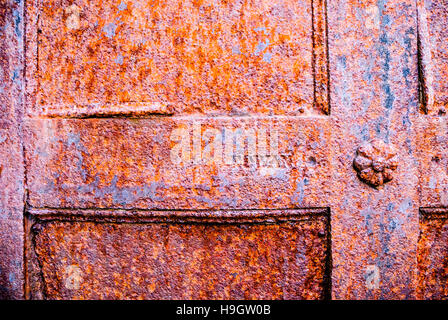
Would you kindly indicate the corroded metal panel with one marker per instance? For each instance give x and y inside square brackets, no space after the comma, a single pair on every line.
[228,57]
[432,137]
[11,159]
[217,130]
[124,163]
[374,95]
[267,60]
[277,254]
[433,254]
[433,55]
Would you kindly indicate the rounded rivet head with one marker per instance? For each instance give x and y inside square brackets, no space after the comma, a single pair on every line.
[375,162]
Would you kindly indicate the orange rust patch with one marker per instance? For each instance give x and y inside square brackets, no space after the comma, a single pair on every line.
[196,56]
[263,259]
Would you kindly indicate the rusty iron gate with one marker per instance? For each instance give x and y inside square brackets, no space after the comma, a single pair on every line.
[212,149]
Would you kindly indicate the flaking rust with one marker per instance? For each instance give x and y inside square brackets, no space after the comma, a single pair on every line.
[207,57]
[433,254]
[110,112]
[253,255]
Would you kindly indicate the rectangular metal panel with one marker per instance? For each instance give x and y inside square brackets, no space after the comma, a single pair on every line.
[228,57]
[12,179]
[126,163]
[279,254]
[433,55]
[433,254]
[432,138]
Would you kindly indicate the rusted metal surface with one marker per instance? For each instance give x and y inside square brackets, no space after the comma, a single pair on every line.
[433,50]
[374,95]
[229,57]
[432,134]
[323,77]
[122,163]
[433,139]
[11,160]
[237,255]
[433,254]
